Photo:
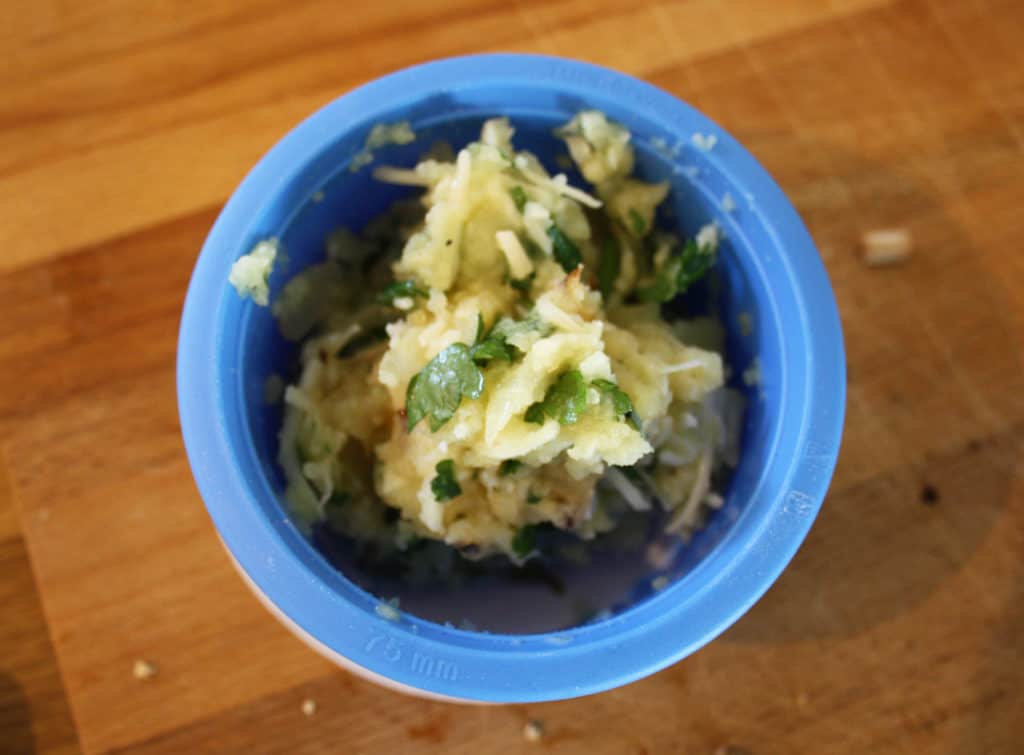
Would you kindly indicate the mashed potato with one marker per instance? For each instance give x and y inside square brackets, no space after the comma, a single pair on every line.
[473,369]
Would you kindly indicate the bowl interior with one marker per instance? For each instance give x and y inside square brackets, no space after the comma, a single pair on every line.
[325,194]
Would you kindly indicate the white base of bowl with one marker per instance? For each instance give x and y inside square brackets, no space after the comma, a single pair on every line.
[335,657]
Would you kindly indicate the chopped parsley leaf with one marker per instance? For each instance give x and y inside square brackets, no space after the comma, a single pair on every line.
[525,541]
[519,197]
[479,328]
[679,273]
[444,486]
[564,251]
[509,467]
[637,223]
[437,390]
[523,285]
[566,399]
[533,251]
[399,290]
[535,413]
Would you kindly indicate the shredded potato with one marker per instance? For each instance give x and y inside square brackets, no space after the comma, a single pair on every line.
[464,375]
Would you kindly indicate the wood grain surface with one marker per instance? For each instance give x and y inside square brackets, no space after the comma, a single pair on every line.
[124,127]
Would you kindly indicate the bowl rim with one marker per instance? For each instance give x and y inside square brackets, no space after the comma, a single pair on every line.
[424,658]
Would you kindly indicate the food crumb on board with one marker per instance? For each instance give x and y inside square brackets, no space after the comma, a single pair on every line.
[885,246]
[533,731]
[309,707]
[143,669]
[659,583]
[728,203]
[929,495]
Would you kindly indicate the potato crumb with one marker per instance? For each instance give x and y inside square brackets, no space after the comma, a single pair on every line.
[250,273]
[308,707]
[533,731]
[704,142]
[746,323]
[273,389]
[388,610]
[143,669]
[752,375]
[885,246]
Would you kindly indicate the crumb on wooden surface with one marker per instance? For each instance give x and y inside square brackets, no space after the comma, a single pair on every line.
[885,246]
[309,707]
[533,731]
[143,669]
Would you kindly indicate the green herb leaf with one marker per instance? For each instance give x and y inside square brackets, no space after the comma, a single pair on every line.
[519,197]
[509,467]
[564,251]
[479,328]
[637,223]
[525,541]
[533,251]
[506,327]
[532,498]
[696,261]
[492,348]
[488,346]
[679,273]
[621,403]
[535,413]
[609,267]
[437,390]
[523,285]
[445,486]
[566,399]
[400,289]
[664,287]
[620,399]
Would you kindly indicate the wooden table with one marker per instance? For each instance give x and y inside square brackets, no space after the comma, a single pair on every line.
[898,627]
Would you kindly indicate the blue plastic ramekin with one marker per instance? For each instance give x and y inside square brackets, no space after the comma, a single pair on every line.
[775,300]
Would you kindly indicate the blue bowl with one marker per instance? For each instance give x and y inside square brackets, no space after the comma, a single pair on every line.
[769,270]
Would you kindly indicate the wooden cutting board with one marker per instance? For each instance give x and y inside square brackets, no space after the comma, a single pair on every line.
[896,629]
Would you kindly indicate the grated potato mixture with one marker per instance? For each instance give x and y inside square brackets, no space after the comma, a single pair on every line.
[493,357]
